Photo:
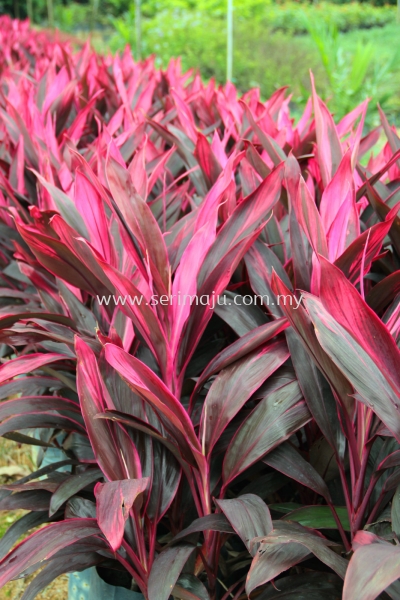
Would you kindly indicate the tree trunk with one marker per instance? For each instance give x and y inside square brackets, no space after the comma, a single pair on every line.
[50,13]
[229,41]
[29,10]
[16,9]
[94,14]
[138,27]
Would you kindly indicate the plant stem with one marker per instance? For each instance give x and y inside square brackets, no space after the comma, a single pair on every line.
[342,532]
[141,545]
[208,570]
[134,559]
[152,543]
[239,592]
[361,478]
[199,504]
[229,591]
[134,574]
[346,493]
[375,509]
[360,513]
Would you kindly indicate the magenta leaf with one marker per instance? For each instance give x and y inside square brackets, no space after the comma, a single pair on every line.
[370,243]
[261,262]
[113,448]
[141,222]
[26,364]
[138,308]
[114,500]
[346,305]
[90,205]
[65,206]
[213,522]
[207,161]
[149,387]
[55,256]
[58,566]
[328,143]
[301,323]
[317,393]
[189,587]
[36,404]
[384,292]
[309,218]
[354,361]
[19,528]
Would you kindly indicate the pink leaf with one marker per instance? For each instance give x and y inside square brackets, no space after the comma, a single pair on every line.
[114,500]
[26,364]
[345,304]
[90,205]
[328,144]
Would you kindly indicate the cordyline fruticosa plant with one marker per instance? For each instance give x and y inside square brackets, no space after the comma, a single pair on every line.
[214,450]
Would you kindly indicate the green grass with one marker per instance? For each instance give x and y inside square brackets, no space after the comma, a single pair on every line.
[385,38]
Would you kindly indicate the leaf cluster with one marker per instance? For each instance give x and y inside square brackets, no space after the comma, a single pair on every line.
[211,449]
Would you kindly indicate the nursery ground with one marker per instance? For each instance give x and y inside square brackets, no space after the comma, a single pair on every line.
[16,462]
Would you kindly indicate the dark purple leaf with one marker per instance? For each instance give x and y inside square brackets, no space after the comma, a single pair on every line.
[289,462]
[275,419]
[285,546]
[72,486]
[234,386]
[213,522]
[166,569]
[43,544]
[249,517]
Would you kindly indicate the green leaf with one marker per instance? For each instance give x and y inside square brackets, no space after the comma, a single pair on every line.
[284,507]
[318,517]
[396,511]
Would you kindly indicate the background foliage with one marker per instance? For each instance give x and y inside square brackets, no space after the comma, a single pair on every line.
[352,48]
